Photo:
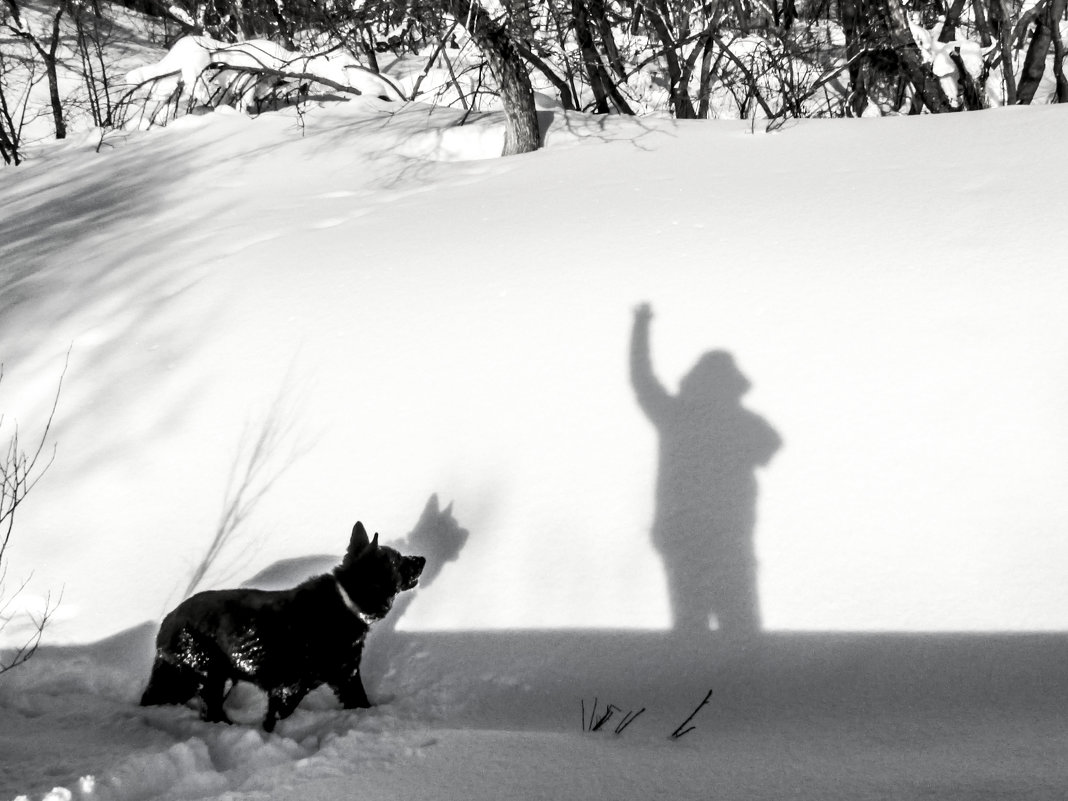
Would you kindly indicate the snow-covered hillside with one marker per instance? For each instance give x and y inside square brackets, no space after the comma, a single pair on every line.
[419,320]
[414,316]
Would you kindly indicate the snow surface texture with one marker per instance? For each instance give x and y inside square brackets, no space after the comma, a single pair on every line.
[481,716]
[417,317]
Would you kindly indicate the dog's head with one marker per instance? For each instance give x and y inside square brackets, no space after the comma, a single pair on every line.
[372,574]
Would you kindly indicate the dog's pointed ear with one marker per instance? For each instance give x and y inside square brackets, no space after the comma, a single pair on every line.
[358,540]
[431,508]
[374,543]
[448,510]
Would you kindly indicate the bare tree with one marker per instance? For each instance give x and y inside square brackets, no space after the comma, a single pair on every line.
[1048,15]
[13,107]
[495,40]
[19,473]
[46,45]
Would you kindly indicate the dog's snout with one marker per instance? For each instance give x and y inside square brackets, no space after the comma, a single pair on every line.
[411,569]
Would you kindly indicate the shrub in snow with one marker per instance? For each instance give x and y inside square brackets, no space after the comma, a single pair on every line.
[199,71]
[598,718]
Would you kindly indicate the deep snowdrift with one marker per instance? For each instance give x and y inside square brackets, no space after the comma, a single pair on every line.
[483,715]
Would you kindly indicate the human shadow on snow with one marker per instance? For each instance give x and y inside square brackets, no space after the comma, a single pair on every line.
[706,489]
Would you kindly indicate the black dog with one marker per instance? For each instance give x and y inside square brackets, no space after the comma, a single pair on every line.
[286,642]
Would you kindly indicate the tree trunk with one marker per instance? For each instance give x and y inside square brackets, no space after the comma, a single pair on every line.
[981,23]
[591,59]
[608,40]
[677,91]
[522,134]
[707,67]
[919,73]
[567,99]
[51,72]
[604,88]
[10,130]
[857,28]
[1000,22]
[1056,15]
[1035,60]
[949,29]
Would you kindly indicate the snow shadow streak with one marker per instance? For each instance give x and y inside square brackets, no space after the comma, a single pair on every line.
[706,491]
[78,253]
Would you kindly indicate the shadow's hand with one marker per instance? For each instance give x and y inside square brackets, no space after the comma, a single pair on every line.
[643,313]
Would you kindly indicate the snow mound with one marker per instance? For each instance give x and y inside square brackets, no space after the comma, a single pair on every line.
[130,753]
[461,715]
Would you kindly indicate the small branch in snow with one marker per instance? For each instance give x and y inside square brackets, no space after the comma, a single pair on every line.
[612,709]
[680,731]
[597,722]
[627,720]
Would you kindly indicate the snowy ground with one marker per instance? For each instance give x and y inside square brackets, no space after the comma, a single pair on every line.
[421,317]
[893,291]
[491,715]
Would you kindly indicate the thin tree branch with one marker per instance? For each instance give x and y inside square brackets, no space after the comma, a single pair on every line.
[680,731]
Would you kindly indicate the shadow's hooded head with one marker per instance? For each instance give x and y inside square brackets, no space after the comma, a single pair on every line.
[715,377]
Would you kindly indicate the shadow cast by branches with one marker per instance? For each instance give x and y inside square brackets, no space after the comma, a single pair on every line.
[257,467]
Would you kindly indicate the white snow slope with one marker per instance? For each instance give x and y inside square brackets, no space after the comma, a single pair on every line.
[418,317]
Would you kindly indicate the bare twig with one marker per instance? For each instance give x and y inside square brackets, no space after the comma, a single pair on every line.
[596,722]
[612,709]
[629,718]
[19,474]
[680,731]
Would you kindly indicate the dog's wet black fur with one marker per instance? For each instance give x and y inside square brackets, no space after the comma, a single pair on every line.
[286,642]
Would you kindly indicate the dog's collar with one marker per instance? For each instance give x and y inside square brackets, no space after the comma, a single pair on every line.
[351,605]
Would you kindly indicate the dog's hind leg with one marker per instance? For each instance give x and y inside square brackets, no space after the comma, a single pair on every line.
[281,701]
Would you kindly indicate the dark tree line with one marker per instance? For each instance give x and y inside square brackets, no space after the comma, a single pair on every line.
[771,53]
[765,58]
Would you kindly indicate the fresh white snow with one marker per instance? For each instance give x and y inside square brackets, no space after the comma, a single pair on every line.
[461,327]
[420,317]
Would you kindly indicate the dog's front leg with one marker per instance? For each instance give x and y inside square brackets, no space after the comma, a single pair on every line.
[212,694]
[349,689]
[351,694]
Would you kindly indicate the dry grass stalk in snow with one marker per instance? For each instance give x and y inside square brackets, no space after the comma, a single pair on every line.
[19,473]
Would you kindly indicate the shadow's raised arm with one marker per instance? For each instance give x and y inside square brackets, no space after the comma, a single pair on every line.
[652,397]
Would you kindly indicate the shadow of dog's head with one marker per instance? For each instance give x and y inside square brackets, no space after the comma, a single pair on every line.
[438,536]
[372,575]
